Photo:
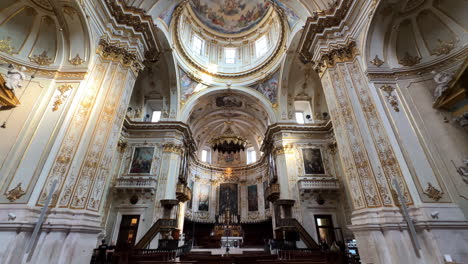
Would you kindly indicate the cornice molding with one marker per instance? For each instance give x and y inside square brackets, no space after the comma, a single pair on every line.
[140,22]
[318,23]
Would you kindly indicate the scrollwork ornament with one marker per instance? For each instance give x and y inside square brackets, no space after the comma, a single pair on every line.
[392,99]
[77,60]
[42,59]
[433,192]
[409,60]
[15,193]
[62,96]
[5,46]
[377,61]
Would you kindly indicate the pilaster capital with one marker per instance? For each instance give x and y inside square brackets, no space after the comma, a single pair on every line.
[171,147]
[286,149]
[112,51]
[345,53]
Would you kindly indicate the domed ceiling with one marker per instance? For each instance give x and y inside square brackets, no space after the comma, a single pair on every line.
[230,16]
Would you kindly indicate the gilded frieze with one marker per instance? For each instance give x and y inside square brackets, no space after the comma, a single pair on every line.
[345,53]
[111,51]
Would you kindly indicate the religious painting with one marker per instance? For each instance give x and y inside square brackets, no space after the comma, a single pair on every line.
[188,86]
[269,88]
[204,197]
[228,101]
[267,203]
[291,16]
[228,158]
[230,16]
[252,198]
[228,198]
[313,163]
[142,159]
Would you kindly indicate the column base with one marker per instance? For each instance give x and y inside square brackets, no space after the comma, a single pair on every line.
[383,237]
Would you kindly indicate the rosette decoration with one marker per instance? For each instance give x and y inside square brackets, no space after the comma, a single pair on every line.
[228,143]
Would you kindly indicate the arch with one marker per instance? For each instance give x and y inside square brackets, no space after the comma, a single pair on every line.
[190,104]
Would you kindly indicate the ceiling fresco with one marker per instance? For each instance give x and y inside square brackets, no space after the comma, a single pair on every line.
[230,16]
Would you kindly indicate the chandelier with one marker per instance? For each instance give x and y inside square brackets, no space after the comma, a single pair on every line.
[228,143]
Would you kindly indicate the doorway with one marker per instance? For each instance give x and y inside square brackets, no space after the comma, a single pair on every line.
[127,231]
[325,230]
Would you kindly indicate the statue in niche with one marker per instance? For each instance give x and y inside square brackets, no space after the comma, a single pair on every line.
[15,77]
[442,79]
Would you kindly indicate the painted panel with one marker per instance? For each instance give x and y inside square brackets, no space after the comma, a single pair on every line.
[313,163]
[252,198]
[228,198]
[204,197]
[142,159]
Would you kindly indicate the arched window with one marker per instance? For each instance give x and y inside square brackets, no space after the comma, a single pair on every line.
[251,155]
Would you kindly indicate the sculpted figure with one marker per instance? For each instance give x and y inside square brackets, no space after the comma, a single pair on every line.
[442,79]
[14,78]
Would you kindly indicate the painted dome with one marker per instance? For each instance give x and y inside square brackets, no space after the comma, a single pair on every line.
[230,16]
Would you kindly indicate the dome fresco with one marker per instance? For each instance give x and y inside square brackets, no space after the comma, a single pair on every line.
[230,16]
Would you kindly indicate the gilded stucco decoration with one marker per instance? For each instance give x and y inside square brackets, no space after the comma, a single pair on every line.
[77,60]
[61,96]
[173,148]
[433,192]
[377,61]
[409,60]
[5,45]
[42,59]
[15,193]
[391,98]
[345,53]
[112,51]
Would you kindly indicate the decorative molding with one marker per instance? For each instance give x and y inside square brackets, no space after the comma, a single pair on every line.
[42,59]
[15,193]
[173,148]
[122,145]
[5,46]
[377,61]
[111,51]
[140,22]
[392,99]
[61,96]
[444,48]
[409,60]
[433,192]
[286,149]
[346,53]
[76,60]
[317,24]
[8,98]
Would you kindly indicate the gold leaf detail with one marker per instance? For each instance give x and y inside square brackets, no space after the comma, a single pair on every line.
[41,59]
[409,60]
[392,99]
[15,193]
[62,96]
[5,46]
[444,47]
[77,60]
[377,61]
[433,193]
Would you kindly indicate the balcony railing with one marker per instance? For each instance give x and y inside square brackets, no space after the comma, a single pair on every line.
[136,184]
[319,185]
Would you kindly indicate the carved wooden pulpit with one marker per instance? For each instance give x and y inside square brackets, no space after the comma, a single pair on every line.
[8,99]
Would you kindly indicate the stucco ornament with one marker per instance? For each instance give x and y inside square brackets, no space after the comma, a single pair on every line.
[442,79]
[14,78]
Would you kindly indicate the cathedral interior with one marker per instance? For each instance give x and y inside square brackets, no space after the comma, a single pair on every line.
[234,131]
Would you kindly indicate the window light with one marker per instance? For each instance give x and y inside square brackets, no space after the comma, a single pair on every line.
[230,55]
[156,116]
[261,46]
[197,45]
[300,117]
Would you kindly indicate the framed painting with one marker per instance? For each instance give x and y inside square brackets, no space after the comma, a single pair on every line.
[142,159]
[313,163]
[252,198]
[204,197]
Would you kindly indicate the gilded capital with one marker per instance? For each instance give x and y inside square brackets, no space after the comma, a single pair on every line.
[170,147]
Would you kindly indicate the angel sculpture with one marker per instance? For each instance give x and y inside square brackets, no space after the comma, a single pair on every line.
[14,78]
